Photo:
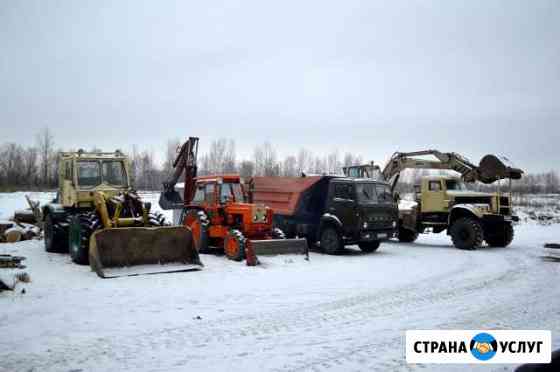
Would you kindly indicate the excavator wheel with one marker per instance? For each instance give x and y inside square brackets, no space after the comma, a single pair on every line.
[81,227]
[467,233]
[234,245]
[198,222]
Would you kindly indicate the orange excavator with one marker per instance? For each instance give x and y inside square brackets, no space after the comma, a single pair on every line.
[216,210]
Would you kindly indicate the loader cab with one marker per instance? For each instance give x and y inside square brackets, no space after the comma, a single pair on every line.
[218,190]
[80,173]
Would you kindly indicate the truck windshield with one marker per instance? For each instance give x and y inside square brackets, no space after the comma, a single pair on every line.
[384,194]
[369,193]
[366,193]
[455,185]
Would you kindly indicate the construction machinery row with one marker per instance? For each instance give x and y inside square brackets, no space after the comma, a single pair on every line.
[99,219]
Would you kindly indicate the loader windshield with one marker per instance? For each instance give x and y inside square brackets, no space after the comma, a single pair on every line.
[113,173]
[92,173]
[88,173]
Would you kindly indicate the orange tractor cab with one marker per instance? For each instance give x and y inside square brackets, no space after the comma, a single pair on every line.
[216,210]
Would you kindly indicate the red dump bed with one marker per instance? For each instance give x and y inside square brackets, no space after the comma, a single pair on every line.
[282,194]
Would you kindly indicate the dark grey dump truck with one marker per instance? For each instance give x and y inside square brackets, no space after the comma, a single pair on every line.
[331,211]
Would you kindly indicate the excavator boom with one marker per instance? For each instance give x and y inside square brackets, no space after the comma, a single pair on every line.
[490,169]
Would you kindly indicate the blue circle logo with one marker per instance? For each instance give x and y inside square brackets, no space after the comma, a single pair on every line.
[483,346]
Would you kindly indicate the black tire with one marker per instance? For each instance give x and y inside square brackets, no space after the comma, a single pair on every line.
[237,237]
[56,235]
[278,234]
[501,237]
[331,241]
[369,247]
[467,233]
[407,235]
[81,228]
[157,219]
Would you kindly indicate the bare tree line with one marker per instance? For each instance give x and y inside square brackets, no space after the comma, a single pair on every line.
[35,166]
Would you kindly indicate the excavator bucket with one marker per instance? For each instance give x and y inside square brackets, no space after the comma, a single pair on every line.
[142,250]
[280,246]
[171,199]
[493,168]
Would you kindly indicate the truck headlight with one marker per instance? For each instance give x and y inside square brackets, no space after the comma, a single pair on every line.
[365,225]
[394,224]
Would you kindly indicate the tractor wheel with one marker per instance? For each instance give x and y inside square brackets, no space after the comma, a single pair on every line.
[198,222]
[278,234]
[157,219]
[467,233]
[56,235]
[331,241]
[501,237]
[369,247]
[406,235]
[81,227]
[234,245]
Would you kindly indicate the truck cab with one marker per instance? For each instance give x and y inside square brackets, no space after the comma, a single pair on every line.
[360,211]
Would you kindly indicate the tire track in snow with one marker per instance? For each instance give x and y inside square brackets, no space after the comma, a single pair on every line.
[329,316]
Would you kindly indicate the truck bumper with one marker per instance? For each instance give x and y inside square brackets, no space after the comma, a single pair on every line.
[371,235]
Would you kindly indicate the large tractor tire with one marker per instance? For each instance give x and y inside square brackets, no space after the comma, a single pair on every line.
[467,233]
[331,241]
[369,247]
[407,235]
[81,227]
[501,237]
[157,219]
[198,222]
[234,245]
[56,235]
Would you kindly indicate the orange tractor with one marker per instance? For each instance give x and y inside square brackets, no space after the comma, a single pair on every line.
[215,209]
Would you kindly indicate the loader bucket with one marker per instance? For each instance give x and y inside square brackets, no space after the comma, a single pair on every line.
[279,246]
[142,250]
[493,168]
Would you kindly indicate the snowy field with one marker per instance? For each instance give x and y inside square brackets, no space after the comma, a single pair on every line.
[333,313]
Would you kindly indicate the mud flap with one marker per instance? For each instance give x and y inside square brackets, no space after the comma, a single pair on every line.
[280,246]
[142,250]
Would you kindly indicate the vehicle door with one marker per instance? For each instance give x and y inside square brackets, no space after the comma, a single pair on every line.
[433,198]
[342,204]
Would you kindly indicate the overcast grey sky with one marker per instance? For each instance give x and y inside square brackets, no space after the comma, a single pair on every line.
[362,76]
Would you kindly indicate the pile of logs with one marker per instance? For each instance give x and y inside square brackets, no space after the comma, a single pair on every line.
[25,225]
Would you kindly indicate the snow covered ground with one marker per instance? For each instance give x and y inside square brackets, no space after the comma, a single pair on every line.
[333,313]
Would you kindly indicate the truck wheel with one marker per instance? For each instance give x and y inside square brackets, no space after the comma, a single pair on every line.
[234,245]
[369,247]
[501,237]
[81,228]
[407,235]
[467,233]
[198,222]
[56,235]
[331,241]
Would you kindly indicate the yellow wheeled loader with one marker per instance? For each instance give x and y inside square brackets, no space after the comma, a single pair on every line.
[100,220]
